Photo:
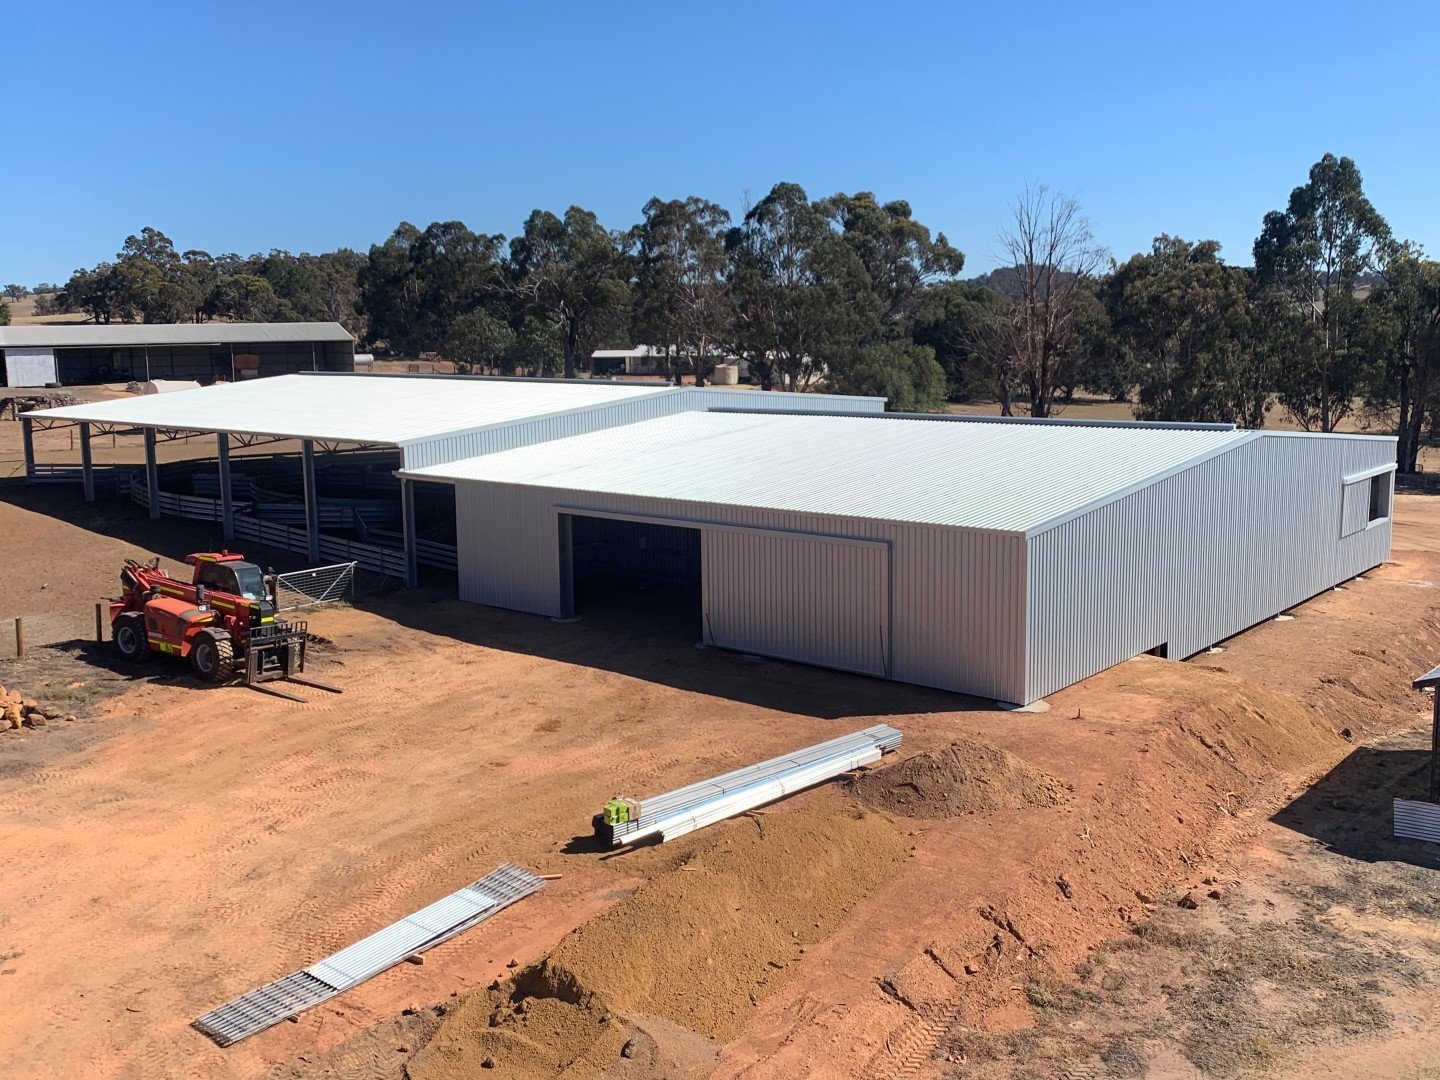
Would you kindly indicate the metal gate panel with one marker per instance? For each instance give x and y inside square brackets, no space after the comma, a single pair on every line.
[318,585]
[796,596]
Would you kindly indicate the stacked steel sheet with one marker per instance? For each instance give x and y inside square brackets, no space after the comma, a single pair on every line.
[675,813]
[257,1010]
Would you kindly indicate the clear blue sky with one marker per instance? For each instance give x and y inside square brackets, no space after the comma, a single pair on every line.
[309,126]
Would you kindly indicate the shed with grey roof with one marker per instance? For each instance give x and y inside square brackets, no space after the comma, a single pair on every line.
[77,353]
[1003,559]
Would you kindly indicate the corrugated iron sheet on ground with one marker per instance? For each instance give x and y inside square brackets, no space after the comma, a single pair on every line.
[253,1012]
[1417,820]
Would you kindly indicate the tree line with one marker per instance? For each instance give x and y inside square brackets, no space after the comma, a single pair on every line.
[1335,316]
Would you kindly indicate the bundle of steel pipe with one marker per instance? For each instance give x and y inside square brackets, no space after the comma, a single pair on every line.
[686,809]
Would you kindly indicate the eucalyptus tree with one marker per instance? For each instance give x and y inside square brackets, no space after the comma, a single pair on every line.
[1406,381]
[1315,252]
[802,295]
[572,272]
[682,302]
[903,260]
[1180,314]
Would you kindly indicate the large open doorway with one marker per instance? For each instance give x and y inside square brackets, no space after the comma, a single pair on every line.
[635,573]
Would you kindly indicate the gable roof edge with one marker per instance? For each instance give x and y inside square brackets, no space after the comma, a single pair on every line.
[1138,485]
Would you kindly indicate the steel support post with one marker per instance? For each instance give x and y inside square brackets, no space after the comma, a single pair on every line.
[312,501]
[227,505]
[152,474]
[87,464]
[27,437]
[1435,750]
[407,518]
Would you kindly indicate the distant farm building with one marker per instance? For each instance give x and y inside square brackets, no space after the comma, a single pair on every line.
[71,354]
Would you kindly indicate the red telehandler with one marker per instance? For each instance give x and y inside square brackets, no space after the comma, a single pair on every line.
[223,619]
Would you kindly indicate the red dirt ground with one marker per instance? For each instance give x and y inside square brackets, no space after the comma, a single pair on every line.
[179,845]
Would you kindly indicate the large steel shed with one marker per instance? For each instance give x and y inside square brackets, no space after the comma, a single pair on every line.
[427,419]
[1005,559]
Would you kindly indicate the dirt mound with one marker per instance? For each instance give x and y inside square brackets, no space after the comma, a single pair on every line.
[965,778]
[531,1026]
[700,945]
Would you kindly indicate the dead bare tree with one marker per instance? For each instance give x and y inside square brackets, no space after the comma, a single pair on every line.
[1049,256]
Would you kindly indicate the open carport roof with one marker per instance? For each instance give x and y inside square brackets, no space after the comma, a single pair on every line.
[1018,477]
[387,409]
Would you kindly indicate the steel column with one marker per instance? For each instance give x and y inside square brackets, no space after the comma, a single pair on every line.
[152,473]
[1435,750]
[407,518]
[227,505]
[27,437]
[87,465]
[312,500]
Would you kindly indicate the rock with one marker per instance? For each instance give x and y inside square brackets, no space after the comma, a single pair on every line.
[36,719]
[1346,733]
[1207,881]
[1144,897]
[28,704]
[971,969]
[1065,887]
[513,964]
[1190,901]
[69,717]
[1216,894]
[12,716]
[628,1050]
[488,1063]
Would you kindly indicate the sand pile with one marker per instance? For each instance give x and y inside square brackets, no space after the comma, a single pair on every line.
[965,778]
[528,1027]
[700,944]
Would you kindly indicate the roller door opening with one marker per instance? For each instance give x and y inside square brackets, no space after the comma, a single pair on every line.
[818,600]
[638,572]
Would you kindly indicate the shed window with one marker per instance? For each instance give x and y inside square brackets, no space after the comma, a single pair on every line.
[1380,497]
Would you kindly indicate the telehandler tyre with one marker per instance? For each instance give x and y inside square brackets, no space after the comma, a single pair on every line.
[128,633]
[212,656]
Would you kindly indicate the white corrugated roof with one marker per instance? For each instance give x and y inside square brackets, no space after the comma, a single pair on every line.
[353,408]
[131,335]
[1011,477]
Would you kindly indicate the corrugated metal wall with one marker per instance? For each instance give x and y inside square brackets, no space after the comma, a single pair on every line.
[781,400]
[818,601]
[447,448]
[957,596]
[1198,556]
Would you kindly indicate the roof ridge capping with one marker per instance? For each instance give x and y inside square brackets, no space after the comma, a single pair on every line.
[961,418]
[485,378]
